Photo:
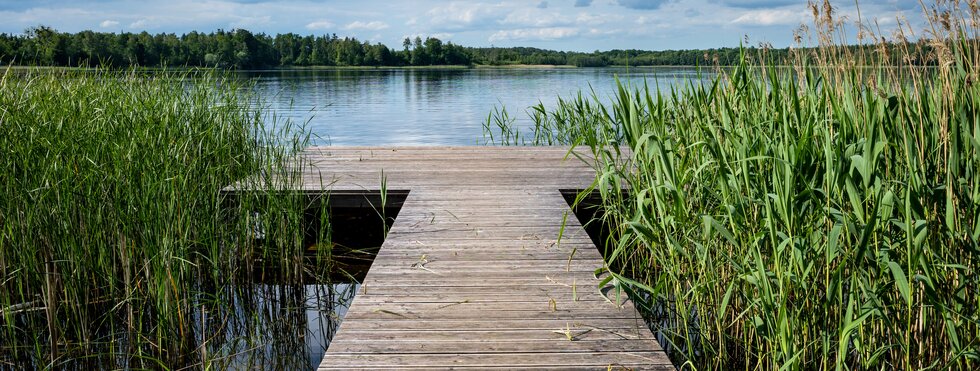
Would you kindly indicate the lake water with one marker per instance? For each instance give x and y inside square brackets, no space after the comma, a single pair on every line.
[432,106]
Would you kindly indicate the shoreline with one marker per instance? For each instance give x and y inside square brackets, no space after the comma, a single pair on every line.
[369,68]
[328,68]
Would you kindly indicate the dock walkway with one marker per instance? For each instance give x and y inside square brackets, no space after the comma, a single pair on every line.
[471,274]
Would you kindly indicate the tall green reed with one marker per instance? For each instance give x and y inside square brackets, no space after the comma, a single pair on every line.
[113,223]
[825,215]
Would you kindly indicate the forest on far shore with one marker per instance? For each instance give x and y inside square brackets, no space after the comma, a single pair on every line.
[242,49]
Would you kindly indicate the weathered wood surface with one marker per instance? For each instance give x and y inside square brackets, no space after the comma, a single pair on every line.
[472,273]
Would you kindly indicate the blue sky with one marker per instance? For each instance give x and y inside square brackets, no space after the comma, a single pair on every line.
[582,25]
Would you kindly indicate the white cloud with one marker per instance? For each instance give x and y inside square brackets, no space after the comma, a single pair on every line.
[544,19]
[373,25]
[468,16]
[536,18]
[596,32]
[108,24]
[645,20]
[319,25]
[770,17]
[139,23]
[597,19]
[252,22]
[534,34]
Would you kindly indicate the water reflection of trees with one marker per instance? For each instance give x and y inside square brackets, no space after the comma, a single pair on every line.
[272,326]
[237,325]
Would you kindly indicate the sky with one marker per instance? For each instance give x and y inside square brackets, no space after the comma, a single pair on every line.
[574,25]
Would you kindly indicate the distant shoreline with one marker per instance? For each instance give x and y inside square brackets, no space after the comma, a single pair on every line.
[375,68]
[475,66]
[352,68]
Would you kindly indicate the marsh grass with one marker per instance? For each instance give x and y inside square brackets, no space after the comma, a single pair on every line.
[823,216]
[117,247]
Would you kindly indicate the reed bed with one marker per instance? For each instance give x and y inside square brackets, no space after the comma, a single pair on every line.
[117,247]
[821,216]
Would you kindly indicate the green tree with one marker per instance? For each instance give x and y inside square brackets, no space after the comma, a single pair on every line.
[419,57]
[49,45]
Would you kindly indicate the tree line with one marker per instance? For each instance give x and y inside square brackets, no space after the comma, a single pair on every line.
[239,48]
[242,49]
[632,57]
[916,53]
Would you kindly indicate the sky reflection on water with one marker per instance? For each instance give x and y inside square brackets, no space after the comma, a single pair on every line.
[432,106]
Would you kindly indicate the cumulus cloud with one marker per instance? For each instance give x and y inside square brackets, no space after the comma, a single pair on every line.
[582,3]
[596,32]
[373,25]
[756,4]
[108,24]
[543,5]
[532,19]
[596,19]
[141,23]
[770,17]
[319,25]
[459,16]
[641,4]
[534,34]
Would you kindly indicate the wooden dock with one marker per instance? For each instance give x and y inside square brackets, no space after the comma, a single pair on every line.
[472,274]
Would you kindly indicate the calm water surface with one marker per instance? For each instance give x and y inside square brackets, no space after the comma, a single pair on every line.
[434,106]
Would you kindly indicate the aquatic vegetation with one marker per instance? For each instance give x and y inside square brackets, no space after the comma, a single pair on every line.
[825,215]
[117,247]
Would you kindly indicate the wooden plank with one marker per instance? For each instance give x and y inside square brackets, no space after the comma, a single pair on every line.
[646,360]
[551,290]
[491,252]
[556,342]
[431,263]
[559,334]
[472,274]
[521,368]
[410,325]
[388,312]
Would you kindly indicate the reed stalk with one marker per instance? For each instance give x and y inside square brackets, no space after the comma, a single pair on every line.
[822,216]
[119,248]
